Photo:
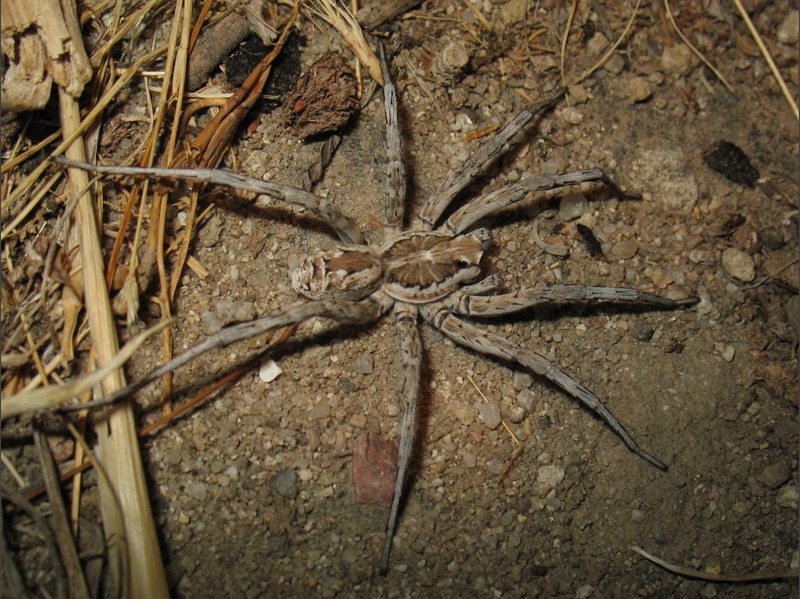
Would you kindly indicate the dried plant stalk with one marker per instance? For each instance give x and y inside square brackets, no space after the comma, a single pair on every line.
[345,23]
[53,396]
[116,431]
[59,521]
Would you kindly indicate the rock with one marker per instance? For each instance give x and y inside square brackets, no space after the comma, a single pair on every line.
[211,322]
[572,116]
[572,206]
[669,177]
[521,380]
[774,475]
[319,411]
[358,421]
[638,89]
[490,414]
[677,60]
[739,265]
[789,29]
[364,363]
[285,482]
[269,371]
[374,469]
[787,497]
[228,311]
[527,400]
[470,460]
[615,64]
[198,491]
[625,250]
[550,475]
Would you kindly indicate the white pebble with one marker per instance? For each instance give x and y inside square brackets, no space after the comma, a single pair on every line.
[269,371]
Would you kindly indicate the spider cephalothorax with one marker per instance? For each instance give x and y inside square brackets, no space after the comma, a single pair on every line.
[414,266]
[426,272]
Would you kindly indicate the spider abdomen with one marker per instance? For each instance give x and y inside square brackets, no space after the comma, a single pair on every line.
[344,272]
[421,266]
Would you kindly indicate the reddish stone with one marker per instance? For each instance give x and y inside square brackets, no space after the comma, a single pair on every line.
[374,469]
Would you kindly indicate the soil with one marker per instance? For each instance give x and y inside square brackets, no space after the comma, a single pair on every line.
[253,493]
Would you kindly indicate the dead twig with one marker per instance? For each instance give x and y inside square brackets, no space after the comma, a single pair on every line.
[789,575]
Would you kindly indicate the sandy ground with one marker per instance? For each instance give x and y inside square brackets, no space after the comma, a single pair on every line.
[253,492]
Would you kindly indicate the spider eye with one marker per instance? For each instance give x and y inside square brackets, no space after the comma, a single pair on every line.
[462,263]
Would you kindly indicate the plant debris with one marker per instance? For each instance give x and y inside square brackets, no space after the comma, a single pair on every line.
[729,160]
[325,99]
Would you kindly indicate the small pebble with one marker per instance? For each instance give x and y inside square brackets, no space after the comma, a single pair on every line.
[739,265]
[358,421]
[584,592]
[774,475]
[677,60]
[211,322]
[470,460]
[787,497]
[319,411]
[374,469]
[521,380]
[625,250]
[572,206]
[364,363]
[637,516]
[638,89]
[527,400]
[709,591]
[228,311]
[572,116]
[789,29]
[615,64]
[269,371]
[729,353]
[198,491]
[285,482]
[550,475]
[173,456]
[490,413]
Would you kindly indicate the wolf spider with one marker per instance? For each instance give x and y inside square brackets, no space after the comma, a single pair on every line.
[427,270]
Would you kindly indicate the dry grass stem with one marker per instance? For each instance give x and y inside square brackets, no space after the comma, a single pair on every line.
[613,48]
[787,574]
[694,50]
[765,53]
[78,589]
[24,187]
[116,432]
[345,23]
[516,441]
[53,396]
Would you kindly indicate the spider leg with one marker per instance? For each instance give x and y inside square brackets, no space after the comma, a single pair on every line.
[492,344]
[469,304]
[367,310]
[489,284]
[478,160]
[515,192]
[411,352]
[346,229]
[396,180]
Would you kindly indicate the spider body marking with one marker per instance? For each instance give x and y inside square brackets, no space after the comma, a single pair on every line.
[414,266]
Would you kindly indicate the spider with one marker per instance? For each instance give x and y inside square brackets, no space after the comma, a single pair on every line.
[427,270]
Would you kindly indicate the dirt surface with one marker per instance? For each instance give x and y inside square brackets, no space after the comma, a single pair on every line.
[253,494]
